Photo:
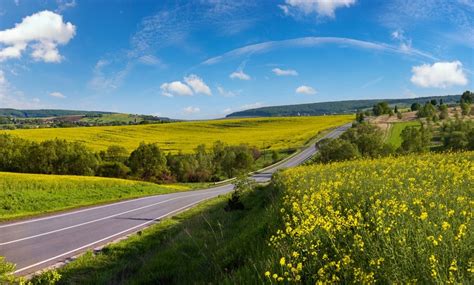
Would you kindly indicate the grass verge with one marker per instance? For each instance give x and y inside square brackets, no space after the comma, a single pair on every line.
[23,195]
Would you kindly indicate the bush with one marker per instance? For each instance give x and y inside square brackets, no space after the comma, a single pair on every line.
[148,162]
[415,139]
[336,150]
[113,169]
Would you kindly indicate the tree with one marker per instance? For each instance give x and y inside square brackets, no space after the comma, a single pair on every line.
[368,139]
[443,114]
[113,169]
[415,106]
[336,150]
[467,97]
[395,110]
[465,108]
[415,139]
[274,156]
[360,117]
[434,102]
[381,108]
[399,115]
[114,153]
[148,162]
[427,111]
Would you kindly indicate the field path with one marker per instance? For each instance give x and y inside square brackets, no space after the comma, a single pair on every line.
[38,243]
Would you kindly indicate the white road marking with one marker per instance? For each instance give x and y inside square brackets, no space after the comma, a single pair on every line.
[98,220]
[88,209]
[109,237]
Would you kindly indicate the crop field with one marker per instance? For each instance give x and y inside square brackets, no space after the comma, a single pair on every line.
[265,133]
[391,220]
[394,135]
[29,194]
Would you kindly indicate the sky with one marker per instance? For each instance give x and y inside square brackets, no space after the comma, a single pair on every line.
[207,58]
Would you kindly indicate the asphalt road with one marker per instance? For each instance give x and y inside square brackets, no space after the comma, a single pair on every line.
[38,243]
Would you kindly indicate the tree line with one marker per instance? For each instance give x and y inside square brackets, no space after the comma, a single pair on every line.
[365,140]
[147,162]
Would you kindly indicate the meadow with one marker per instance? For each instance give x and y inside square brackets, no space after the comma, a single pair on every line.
[409,221]
[31,194]
[263,133]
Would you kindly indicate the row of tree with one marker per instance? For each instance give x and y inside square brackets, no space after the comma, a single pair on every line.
[365,140]
[148,162]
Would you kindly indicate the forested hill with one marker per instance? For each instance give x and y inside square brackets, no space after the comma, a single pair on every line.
[46,113]
[337,107]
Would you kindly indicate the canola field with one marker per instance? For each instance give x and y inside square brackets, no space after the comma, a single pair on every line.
[30,194]
[392,220]
[264,133]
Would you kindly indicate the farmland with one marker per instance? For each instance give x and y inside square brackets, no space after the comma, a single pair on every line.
[406,222]
[265,133]
[30,194]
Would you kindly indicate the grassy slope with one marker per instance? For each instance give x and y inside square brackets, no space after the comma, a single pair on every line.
[208,245]
[394,136]
[24,195]
[274,133]
[203,245]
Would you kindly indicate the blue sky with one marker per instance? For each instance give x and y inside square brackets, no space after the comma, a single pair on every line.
[207,58]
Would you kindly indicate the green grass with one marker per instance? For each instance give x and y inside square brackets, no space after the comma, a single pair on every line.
[200,246]
[394,136]
[23,195]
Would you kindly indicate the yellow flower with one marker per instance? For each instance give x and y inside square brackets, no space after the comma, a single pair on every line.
[423,216]
[282,261]
[267,274]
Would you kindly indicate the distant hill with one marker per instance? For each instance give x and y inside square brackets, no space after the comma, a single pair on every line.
[44,113]
[336,107]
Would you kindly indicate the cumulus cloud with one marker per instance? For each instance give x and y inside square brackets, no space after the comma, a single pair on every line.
[321,7]
[42,32]
[191,110]
[439,74]
[193,84]
[57,95]
[175,88]
[305,89]
[239,74]
[284,72]
[197,84]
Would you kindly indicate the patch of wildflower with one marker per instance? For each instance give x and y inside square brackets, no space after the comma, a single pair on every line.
[391,220]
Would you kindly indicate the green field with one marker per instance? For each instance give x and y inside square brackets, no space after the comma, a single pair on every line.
[407,222]
[394,136]
[264,133]
[31,194]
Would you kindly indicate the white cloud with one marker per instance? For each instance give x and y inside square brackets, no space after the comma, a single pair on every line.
[191,110]
[102,81]
[57,95]
[284,72]
[239,74]
[313,42]
[321,7]
[304,89]
[226,93]
[149,60]
[175,88]
[64,5]
[439,75]
[42,31]
[197,84]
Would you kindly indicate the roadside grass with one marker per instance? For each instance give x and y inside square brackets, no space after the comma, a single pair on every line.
[264,133]
[203,245]
[23,195]
[394,135]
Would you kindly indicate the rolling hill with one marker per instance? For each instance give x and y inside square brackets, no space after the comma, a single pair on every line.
[337,107]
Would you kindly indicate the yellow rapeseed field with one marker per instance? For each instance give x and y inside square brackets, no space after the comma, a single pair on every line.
[273,133]
[392,220]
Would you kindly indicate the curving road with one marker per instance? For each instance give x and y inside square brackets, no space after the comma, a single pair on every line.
[38,243]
